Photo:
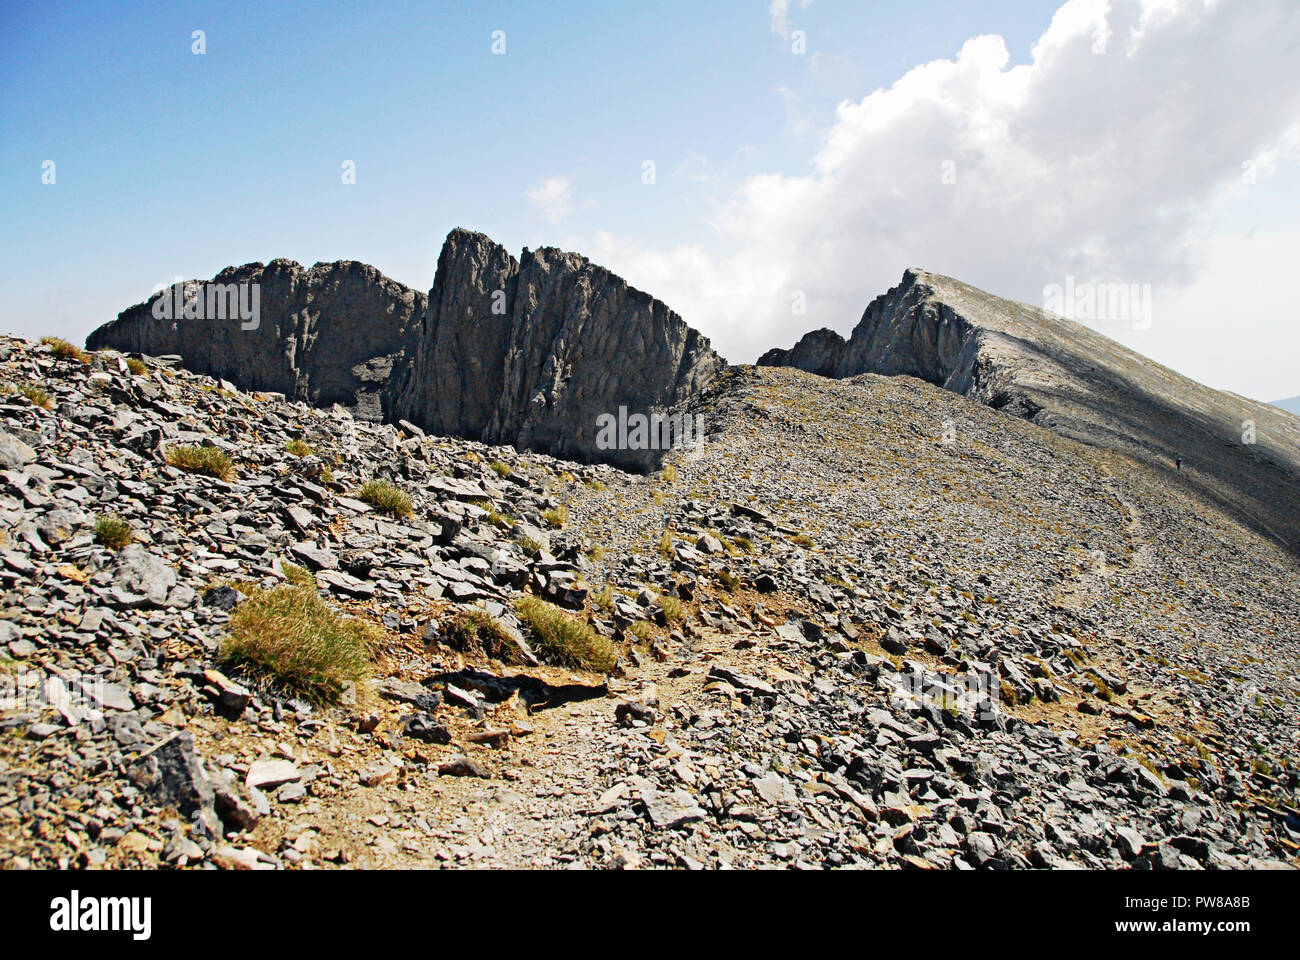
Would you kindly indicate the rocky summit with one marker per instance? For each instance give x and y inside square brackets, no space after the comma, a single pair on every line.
[1239,455]
[869,623]
[529,352]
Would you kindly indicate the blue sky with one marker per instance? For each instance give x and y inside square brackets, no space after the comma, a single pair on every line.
[170,163]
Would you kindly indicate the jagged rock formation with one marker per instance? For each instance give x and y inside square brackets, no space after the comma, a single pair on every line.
[530,353]
[818,352]
[334,333]
[527,352]
[1239,455]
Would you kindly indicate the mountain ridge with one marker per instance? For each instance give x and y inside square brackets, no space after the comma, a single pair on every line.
[1062,375]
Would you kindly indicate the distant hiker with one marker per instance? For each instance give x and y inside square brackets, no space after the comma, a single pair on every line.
[1178,462]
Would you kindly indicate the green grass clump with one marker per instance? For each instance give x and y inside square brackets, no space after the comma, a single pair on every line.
[728,580]
[36,395]
[298,576]
[473,630]
[666,543]
[64,350]
[299,448]
[295,638]
[112,531]
[744,543]
[669,474]
[136,367]
[557,516]
[531,546]
[604,600]
[564,640]
[674,609]
[641,629]
[209,461]
[386,498]
[803,540]
[499,468]
[597,485]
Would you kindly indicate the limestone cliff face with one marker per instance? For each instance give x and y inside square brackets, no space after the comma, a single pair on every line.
[584,343]
[527,352]
[531,353]
[334,333]
[454,382]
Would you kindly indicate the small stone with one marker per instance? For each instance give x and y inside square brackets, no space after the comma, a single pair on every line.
[463,767]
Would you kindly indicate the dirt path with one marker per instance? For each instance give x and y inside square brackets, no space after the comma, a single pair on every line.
[536,807]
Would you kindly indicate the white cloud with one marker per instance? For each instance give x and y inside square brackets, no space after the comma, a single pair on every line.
[778,13]
[1099,159]
[553,197]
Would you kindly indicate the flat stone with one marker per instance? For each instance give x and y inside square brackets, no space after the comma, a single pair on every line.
[313,557]
[675,809]
[269,774]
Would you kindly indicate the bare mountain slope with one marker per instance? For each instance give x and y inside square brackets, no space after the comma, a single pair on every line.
[1071,379]
[871,623]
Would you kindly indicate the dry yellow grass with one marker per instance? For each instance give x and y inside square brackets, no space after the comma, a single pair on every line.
[294,637]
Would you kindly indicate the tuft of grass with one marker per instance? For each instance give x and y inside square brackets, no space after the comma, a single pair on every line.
[36,395]
[112,531]
[564,640]
[531,546]
[65,350]
[605,599]
[299,448]
[666,543]
[292,636]
[803,540]
[744,543]
[209,461]
[1103,689]
[669,473]
[386,498]
[597,485]
[728,580]
[298,576]
[557,516]
[674,609]
[136,367]
[641,629]
[499,468]
[473,630]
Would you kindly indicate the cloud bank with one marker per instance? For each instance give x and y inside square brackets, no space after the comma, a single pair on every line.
[1098,159]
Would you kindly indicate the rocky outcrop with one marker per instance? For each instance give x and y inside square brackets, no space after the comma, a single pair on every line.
[1237,454]
[454,382]
[817,352]
[334,333]
[532,352]
[527,352]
